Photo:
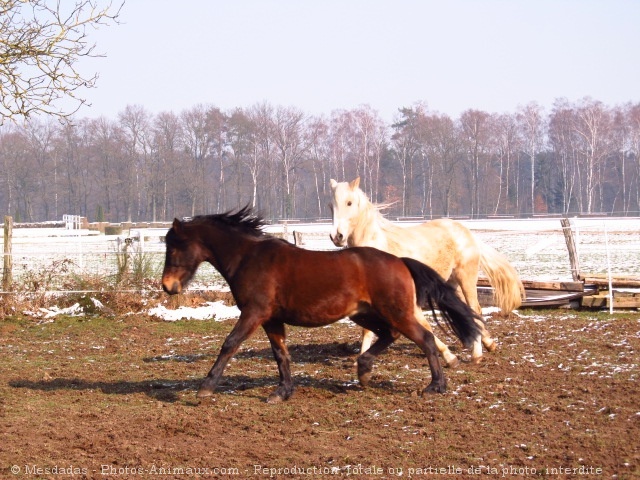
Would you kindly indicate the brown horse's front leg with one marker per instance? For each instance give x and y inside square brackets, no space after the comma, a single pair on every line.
[241,331]
[276,333]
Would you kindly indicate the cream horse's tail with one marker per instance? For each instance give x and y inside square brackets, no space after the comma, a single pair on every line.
[508,291]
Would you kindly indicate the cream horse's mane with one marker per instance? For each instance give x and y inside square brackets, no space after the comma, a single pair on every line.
[370,217]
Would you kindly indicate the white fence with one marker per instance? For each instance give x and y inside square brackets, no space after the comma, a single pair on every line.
[536,247]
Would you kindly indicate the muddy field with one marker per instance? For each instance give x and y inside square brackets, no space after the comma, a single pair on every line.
[97,397]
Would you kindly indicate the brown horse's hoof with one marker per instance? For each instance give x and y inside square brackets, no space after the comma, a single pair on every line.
[492,347]
[204,393]
[435,388]
[364,379]
[274,398]
[280,394]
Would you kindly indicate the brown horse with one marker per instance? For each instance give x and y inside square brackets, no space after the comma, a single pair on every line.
[275,283]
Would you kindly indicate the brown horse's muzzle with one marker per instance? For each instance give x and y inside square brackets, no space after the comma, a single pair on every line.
[171,284]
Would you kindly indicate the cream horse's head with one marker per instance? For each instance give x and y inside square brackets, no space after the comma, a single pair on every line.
[345,205]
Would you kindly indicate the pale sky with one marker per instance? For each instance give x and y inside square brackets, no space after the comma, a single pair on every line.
[323,55]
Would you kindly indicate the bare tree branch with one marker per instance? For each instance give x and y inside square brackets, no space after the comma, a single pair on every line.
[41,43]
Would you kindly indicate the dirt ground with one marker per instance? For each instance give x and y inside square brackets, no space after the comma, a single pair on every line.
[114,397]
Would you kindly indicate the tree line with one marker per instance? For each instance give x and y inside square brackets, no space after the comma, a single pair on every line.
[581,157]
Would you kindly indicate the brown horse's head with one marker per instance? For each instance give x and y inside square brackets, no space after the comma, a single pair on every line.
[184,255]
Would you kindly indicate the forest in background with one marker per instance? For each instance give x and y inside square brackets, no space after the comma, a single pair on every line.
[579,158]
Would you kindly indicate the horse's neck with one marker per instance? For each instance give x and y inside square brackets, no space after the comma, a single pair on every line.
[369,229]
[227,248]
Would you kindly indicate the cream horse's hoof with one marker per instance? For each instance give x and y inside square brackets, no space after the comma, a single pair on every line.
[492,346]
[453,363]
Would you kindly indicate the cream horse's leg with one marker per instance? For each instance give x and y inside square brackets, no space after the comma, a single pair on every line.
[367,340]
[450,359]
[469,291]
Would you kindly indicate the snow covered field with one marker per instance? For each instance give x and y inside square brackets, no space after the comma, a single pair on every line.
[536,247]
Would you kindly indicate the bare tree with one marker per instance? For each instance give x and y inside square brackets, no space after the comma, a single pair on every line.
[319,150]
[592,125]
[475,125]
[288,124]
[531,119]
[135,124]
[41,42]
[107,146]
[167,141]
[408,148]
[446,148]
[40,136]
[369,139]
[67,149]
[216,126]
[198,144]
[340,138]
[506,146]
[633,120]
[18,167]
[261,158]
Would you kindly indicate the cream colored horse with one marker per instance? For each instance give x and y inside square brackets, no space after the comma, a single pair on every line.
[445,245]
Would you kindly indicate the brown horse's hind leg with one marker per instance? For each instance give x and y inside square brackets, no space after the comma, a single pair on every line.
[365,360]
[276,333]
[426,341]
[241,331]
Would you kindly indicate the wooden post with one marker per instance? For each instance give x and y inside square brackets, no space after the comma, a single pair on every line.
[7,279]
[571,247]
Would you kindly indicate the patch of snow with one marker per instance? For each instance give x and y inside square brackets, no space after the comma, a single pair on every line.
[490,310]
[210,310]
[73,310]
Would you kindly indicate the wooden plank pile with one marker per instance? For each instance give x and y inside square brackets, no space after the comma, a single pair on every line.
[625,290]
[585,294]
[542,294]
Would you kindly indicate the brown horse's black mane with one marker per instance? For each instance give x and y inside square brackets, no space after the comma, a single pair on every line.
[244,221]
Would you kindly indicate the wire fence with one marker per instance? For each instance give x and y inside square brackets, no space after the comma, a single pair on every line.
[58,260]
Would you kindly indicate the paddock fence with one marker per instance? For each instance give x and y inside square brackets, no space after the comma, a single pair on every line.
[73,256]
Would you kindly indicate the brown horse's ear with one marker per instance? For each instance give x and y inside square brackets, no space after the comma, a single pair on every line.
[177,225]
[355,183]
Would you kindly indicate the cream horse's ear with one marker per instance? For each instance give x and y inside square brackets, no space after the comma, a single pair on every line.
[354,183]
[333,184]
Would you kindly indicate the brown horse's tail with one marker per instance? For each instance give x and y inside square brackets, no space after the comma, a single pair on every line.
[508,291]
[432,291]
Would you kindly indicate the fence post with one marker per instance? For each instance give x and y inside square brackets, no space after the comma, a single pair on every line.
[571,247]
[7,279]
